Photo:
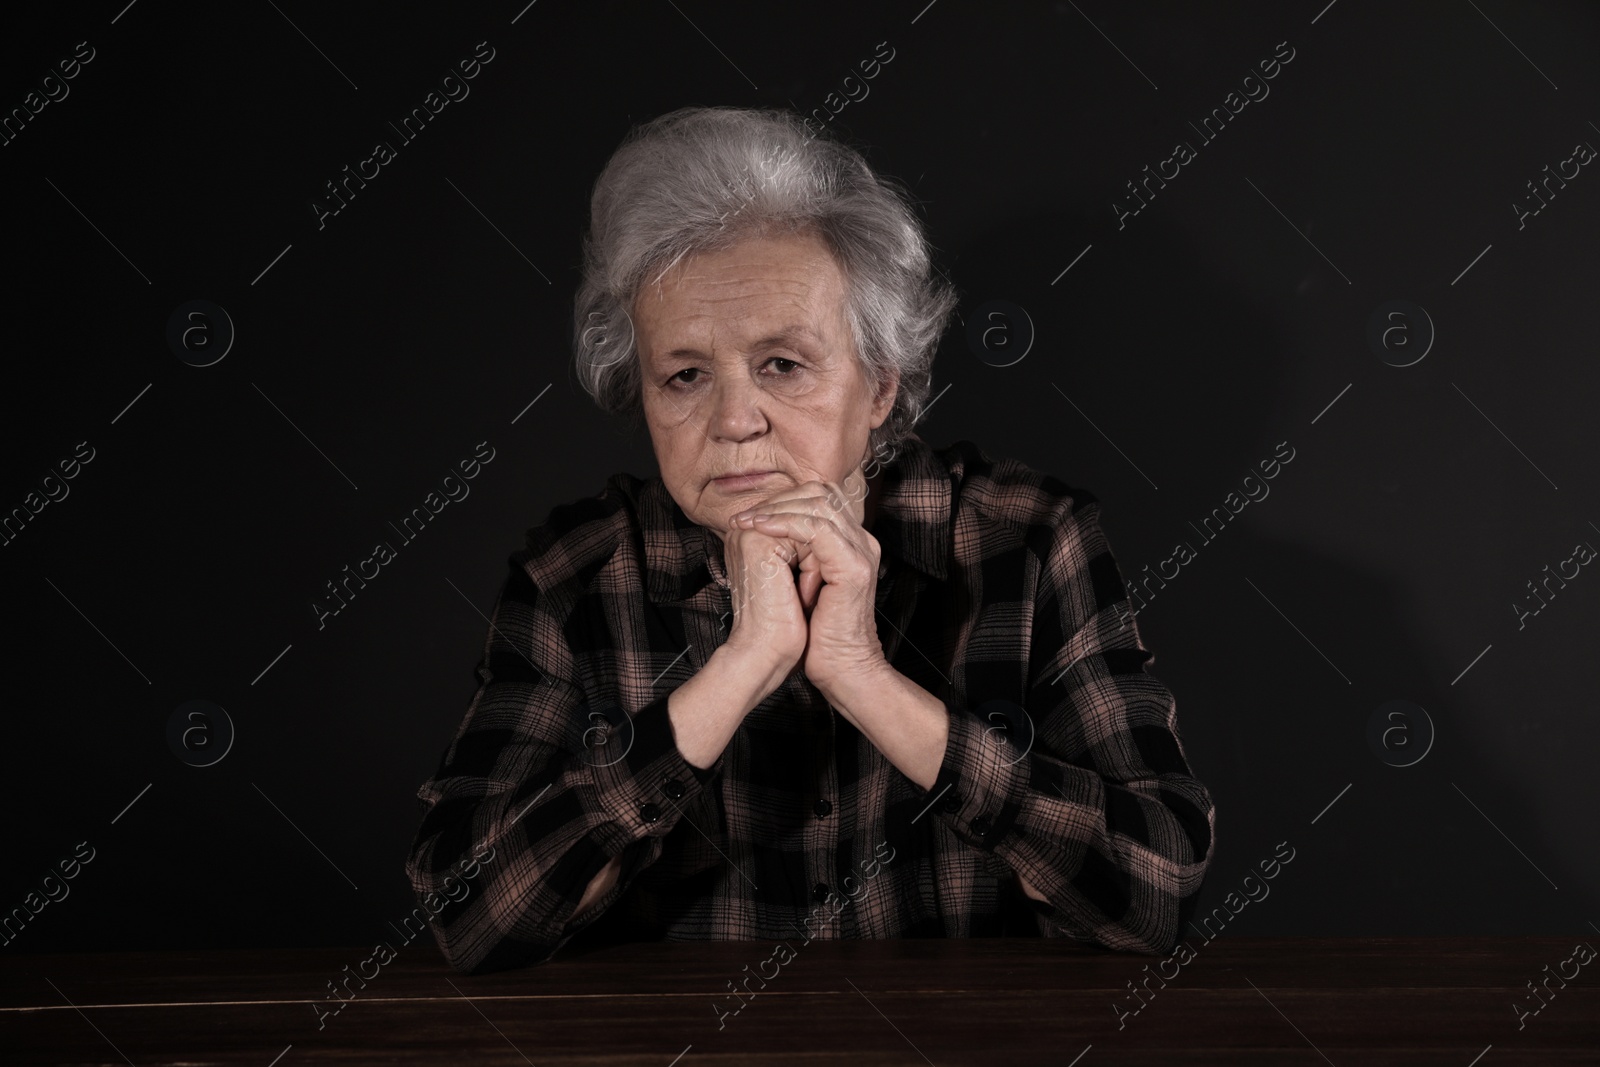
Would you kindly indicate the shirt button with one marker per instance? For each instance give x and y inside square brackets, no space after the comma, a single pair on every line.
[823,808]
[820,893]
[673,788]
[650,813]
[952,802]
[980,825]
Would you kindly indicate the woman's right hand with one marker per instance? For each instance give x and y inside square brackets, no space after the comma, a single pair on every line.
[764,644]
[769,624]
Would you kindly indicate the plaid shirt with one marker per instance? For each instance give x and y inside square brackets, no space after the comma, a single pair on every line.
[997,593]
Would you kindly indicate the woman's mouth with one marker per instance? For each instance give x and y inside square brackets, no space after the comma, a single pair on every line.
[732,483]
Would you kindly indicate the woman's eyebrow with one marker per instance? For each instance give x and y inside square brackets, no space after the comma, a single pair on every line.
[793,336]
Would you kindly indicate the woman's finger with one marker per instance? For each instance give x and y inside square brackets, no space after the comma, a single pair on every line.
[810,586]
[824,498]
[841,557]
[809,503]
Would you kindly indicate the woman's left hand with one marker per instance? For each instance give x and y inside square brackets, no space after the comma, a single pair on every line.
[838,561]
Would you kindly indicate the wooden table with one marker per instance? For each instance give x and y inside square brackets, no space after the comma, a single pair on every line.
[1238,1000]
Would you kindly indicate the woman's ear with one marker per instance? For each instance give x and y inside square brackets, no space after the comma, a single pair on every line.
[883,403]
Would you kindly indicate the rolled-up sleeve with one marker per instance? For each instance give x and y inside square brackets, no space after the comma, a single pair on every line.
[1090,797]
[554,781]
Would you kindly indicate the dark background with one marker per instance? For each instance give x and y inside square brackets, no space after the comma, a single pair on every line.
[1176,353]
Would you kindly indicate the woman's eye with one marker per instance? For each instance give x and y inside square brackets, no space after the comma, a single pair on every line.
[679,377]
[791,365]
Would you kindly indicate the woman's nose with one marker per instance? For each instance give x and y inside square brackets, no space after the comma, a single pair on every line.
[736,408]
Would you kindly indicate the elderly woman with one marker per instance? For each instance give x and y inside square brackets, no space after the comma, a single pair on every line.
[817,679]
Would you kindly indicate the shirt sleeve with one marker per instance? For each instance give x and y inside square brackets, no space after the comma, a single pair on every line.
[1085,791]
[543,785]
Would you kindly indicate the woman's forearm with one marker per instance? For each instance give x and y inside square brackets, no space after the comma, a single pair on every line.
[904,721]
[706,710]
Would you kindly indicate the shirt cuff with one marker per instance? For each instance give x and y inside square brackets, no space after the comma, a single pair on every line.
[643,778]
[984,775]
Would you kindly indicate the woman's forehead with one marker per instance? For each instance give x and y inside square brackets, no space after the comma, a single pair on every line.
[787,299]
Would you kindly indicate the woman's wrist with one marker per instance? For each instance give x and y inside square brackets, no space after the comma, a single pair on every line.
[864,683]
[751,668]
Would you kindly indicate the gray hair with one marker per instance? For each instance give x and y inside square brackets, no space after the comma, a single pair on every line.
[705,178]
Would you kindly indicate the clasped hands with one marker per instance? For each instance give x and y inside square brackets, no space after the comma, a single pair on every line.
[825,621]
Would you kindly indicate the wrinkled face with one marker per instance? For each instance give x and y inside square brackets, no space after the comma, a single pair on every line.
[751,383]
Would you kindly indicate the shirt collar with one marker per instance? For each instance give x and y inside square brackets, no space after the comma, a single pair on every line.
[913,520]
[912,523]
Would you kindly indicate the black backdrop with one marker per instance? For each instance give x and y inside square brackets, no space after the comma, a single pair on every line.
[1173,350]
